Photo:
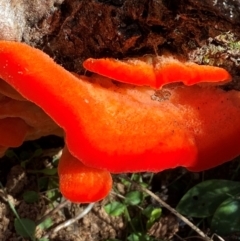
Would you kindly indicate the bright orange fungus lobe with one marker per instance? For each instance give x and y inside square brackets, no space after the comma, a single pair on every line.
[156,71]
[81,183]
[119,128]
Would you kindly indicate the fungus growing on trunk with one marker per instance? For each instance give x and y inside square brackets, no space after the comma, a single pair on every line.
[124,128]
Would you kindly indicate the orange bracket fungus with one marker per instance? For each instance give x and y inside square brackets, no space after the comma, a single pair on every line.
[115,127]
[156,71]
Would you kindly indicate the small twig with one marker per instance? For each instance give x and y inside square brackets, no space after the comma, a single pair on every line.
[180,238]
[172,210]
[195,237]
[56,209]
[219,237]
[70,221]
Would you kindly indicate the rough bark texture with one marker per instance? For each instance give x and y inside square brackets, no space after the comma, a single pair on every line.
[123,28]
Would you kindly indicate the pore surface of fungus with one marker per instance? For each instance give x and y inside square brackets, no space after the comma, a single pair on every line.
[21,120]
[114,127]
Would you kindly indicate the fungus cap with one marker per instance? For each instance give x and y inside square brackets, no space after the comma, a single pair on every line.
[123,128]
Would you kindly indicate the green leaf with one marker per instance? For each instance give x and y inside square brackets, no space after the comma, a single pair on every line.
[30,196]
[152,214]
[134,198]
[134,237]
[43,183]
[136,177]
[37,153]
[138,237]
[53,190]
[11,154]
[53,194]
[25,227]
[226,219]
[47,223]
[46,171]
[115,208]
[203,199]
[151,211]
[125,182]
